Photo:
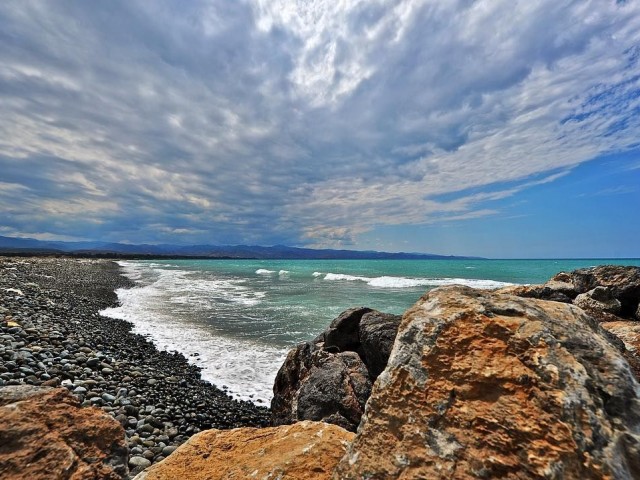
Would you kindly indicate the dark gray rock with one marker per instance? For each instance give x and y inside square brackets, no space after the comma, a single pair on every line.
[599,299]
[139,462]
[330,378]
[343,330]
[377,332]
[168,450]
[335,390]
[618,283]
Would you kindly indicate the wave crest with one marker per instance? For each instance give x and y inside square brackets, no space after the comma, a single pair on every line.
[404,282]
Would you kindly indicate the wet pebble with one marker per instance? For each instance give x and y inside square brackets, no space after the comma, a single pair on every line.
[53,335]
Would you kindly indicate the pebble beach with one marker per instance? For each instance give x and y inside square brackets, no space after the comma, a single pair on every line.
[51,334]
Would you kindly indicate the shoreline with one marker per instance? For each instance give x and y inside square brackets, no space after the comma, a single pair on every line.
[52,334]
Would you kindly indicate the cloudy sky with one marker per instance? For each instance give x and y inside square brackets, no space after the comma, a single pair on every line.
[495,128]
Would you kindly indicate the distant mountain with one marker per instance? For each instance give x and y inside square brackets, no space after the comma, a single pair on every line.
[280,252]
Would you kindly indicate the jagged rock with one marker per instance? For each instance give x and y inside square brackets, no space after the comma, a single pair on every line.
[343,330]
[45,434]
[289,378]
[377,332]
[330,378]
[552,291]
[322,386]
[613,283]
[487,385]
[305,450]
[598,300]
[628,332]
[623,283]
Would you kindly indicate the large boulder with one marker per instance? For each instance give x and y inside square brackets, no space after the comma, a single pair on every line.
[330,378]
[305,450]
[342,333]
[314,384]
[45,434]
[487,385]
[377,332]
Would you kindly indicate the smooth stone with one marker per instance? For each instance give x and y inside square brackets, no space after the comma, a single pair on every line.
[139,462]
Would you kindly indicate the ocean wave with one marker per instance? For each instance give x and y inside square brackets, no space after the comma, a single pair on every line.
[404,282]
[246,368]
[284,273]
[317,274]
[156,307]
[264,271]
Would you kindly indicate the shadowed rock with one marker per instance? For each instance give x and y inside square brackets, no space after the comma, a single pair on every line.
[343,330]
[598,300]
[607,289]
[377,332]
[314,384]
[330,378]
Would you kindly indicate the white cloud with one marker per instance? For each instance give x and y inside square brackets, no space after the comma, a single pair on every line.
[313,121]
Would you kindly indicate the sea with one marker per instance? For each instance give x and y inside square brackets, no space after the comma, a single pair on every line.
[237,319]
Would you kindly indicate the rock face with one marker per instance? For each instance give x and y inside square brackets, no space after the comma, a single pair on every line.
[330,378]
[45,435]
[377,332]
[603,291]
[305,450]
[599,299]
[314,384]
[487,385]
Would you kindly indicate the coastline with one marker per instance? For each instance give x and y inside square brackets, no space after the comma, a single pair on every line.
[52,334]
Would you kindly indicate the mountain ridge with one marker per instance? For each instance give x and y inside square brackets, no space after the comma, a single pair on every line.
[275,252]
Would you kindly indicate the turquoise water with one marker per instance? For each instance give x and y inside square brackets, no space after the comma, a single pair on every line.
[238,318]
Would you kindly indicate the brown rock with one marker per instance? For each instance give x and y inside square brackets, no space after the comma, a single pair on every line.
[46,435]
[628,332]
[305,450]
[487,385]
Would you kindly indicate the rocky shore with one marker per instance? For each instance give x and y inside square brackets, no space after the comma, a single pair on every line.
[51,334]
[528,382]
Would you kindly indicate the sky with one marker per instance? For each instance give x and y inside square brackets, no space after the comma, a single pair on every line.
[497,128]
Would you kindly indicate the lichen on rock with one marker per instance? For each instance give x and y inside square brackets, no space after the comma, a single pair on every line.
[302,451]
[489,385]
[46,435]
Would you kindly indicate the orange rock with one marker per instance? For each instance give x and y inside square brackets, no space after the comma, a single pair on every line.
[628,332]
[44,435]
[487,385]
[304,450]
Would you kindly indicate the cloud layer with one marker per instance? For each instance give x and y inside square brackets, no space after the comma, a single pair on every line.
[300,122]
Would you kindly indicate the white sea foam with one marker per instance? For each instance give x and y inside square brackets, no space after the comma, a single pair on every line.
[264,271]
[317,274]
[246,367]
[284,273]
[403,282]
